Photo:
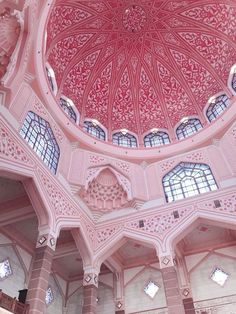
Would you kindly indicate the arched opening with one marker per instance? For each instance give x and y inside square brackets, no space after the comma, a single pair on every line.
[206,266]
[137,278]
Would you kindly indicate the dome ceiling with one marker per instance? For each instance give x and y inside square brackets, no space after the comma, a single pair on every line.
[141,64]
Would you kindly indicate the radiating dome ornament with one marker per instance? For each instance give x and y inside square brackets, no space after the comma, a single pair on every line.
[141,64]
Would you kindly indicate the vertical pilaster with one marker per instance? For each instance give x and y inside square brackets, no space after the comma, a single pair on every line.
[90,299]
[90,284]
[171,285]
[41,270]
[119,292]
[189,306]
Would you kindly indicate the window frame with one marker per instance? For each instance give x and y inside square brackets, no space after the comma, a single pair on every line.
[231,78]
[51,79]
[152,132]
[212,103]
[70,111]
[130,134]
[178,190]
[43,143]
[49,303]
[184,124]
[99,128]
[11,270]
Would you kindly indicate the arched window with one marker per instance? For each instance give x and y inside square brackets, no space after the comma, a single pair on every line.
[94,129]
[188,179]
[124,139]
[234,81]
[68,109]
[216,107]
[156,138]
[188,128]
[38,134]
[51,79]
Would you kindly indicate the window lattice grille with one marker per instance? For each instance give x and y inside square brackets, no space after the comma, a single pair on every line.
[38,134]
[94,130]
[188,128]
[154,139]
[217,107]
[67,108]
[50,79]
[126,140]
[188,179]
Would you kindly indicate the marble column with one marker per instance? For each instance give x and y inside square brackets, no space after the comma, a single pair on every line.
[171,285]
[41,269]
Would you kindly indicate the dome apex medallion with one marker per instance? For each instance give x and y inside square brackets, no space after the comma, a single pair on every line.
[134,18]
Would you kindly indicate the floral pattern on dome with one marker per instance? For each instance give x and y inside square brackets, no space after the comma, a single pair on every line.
[141,64]
[134,18]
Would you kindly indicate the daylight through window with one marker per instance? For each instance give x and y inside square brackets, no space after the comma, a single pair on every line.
[38,134]
[188,179]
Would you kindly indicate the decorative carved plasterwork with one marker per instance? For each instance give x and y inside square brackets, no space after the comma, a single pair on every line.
[104,190]
[42,112]
[141,65]
[46,240]
[92,173]
[198,156]
[227,204]
[11,149]
[61,204]
[98,160]
[217,305]
[161,225]
[90,279]
[9,34]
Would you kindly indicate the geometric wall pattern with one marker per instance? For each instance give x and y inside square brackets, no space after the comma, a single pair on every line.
[144,65]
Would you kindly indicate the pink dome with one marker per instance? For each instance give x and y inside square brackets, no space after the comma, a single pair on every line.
[141,64]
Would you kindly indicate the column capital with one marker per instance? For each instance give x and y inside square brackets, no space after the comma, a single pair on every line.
[186,292]
[166,261]
[90,276]
[120,305]
[46,239]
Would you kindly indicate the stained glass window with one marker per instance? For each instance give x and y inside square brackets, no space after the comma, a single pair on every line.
[68,109]
[188,179]
[188,128]
[217,107]
[38,134]
[124,139]
[154,139]
[234,81]
[5,269]
[94,129]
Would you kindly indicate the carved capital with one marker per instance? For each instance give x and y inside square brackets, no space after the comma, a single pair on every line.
[46,240]
[90,276]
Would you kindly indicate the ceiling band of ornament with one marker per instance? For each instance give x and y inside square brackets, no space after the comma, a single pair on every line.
[141,65]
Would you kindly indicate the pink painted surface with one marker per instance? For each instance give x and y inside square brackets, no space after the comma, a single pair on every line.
[9,34]
[144,65]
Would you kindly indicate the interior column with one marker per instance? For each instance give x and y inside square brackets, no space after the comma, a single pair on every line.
[171,286]
[90,284]
[41,269]
[189,306]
